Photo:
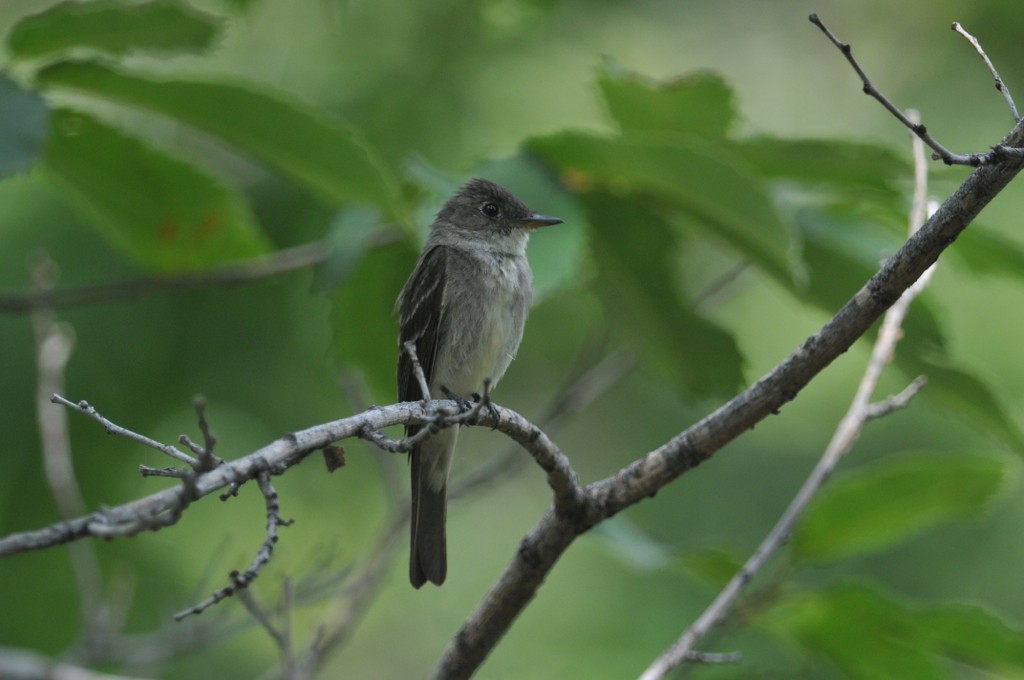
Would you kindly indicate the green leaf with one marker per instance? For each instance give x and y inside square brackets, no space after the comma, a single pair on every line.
[863,633]
[833,162]
[161,211]
[700,104]
[987,252]
[365,329]
[869,634]
[975,636]
[300,141]
[114,27]
[702,181]
[24,124]
[963,396]
[892,499]
[633,251]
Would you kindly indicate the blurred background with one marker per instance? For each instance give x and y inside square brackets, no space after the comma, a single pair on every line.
[445,91]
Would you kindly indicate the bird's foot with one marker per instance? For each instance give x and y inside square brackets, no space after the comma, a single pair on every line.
[464,405]
[485,402]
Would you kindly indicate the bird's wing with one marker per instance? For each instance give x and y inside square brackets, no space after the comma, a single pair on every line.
[420,316]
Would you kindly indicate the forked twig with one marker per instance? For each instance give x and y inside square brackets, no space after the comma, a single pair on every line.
[995,155]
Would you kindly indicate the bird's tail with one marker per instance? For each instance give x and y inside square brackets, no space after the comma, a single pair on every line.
[428,559]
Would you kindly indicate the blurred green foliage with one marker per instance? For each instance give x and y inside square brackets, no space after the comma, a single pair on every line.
[717,211]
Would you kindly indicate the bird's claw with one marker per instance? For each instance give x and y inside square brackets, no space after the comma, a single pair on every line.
[485,402]
[464,405]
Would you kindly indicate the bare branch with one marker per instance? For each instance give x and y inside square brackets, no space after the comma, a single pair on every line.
[164,507]
[207,461]
[112,428]
[998,154]
[861,410]
[895,402]
[417,368]
[242,580]
[1000,85]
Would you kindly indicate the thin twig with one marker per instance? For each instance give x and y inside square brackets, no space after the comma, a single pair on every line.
[112,428]
[1000,85]
[263,555]
[207,460]
[861,410]
[895,402]
[173,472]
[997,154]
[410,348]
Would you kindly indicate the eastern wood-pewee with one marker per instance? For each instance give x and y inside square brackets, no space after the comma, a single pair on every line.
[463,308]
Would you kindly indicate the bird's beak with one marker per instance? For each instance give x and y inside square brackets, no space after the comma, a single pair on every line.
[536,221]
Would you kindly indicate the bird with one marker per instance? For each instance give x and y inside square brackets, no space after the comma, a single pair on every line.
[463,310]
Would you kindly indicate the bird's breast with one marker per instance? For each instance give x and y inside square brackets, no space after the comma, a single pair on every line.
[484,318]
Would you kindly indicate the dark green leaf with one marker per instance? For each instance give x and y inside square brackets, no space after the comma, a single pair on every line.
[700,180]
[988,252]
[114,27]
[962,395]
[633,251]
[863,633]
[24,123]
[163,212]
[973,635]
[699,104]
[892,499]
[300,141]
[841,255]
[834,162]
[869,634]
[365,329]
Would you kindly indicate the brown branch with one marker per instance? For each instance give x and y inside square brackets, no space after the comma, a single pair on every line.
[998,153]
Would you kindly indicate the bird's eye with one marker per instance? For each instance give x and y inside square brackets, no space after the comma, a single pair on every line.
[490,210]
